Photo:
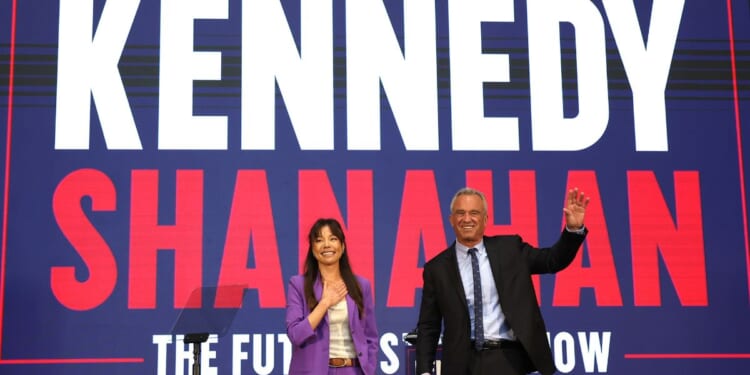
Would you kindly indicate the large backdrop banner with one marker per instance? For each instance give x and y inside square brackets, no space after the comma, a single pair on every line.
[164,161]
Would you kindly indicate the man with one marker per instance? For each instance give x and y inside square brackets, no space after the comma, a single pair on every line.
[496,328]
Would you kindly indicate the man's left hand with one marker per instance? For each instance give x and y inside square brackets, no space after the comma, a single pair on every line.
[575,209]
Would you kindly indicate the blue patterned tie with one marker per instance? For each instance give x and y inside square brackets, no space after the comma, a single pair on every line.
[478,320]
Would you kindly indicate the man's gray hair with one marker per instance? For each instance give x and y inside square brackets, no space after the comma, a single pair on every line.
[469,191]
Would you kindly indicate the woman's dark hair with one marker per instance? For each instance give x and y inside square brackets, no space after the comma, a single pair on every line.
[312,271]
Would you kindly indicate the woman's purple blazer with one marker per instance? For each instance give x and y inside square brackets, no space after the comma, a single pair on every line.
[310,347]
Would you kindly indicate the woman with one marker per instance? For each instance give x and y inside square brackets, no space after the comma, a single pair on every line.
[330,317]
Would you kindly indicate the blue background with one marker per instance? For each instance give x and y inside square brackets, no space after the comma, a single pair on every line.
[702,137]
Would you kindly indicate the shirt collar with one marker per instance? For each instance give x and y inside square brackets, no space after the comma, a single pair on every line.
[460,248]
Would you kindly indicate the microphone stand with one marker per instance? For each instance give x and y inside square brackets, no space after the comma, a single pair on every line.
[196,339]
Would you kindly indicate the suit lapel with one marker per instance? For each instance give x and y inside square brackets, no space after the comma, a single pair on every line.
[351,309]
[493,254]
[318,291]
[454,276]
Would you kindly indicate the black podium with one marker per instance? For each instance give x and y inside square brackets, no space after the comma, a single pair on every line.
[197,324]
[410,354]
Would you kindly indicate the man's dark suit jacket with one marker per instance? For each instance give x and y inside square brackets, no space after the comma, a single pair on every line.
[444,301]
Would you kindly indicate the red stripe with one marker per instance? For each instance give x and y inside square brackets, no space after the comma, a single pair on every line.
[738,127]
[6,187]
[5,224]
[687,356]
[57,361]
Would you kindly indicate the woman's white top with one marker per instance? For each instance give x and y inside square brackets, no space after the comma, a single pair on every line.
[341,344]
